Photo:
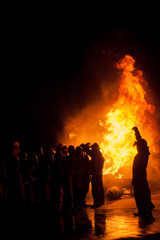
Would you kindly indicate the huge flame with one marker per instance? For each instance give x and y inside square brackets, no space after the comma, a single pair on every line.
[129,110]
[114,134]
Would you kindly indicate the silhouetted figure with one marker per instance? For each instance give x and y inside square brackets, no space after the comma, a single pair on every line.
[67,169]
[86,174]
[15,190]
[97,162]
[35,173]
[141,189]
[71,164]
[44,186]
[25,168]
[77,178]
[57,178]
[49,155]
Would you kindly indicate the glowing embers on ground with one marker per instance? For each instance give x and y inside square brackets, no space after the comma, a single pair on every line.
[114,129]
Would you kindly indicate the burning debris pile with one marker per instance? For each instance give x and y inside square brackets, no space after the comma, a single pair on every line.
[113,131]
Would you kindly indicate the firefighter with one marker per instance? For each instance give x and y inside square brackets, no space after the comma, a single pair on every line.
[86,175]
[67,169]
[141,190]
[57,179]
[97,162]
[15,190]
[78,179]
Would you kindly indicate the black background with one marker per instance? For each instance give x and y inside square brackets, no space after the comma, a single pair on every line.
[50,57]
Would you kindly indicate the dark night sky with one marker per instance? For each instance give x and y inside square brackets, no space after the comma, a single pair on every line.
[50,61]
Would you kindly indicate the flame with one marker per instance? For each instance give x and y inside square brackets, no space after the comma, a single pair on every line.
[129,110]
[115,135]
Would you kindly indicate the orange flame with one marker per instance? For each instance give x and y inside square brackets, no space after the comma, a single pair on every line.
[130,109]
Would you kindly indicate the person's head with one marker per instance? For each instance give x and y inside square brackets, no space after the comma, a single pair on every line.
[16,148]
[60,147]
[78,150]
[95,147]
[86,147]
[65,150]
[83,146]
[71,149]
[52,151]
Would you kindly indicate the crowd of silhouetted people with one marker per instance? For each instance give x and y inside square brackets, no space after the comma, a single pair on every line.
[52,178]
[58,179]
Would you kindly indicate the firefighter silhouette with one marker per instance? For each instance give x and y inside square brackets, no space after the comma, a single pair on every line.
[97,162]
[141,190]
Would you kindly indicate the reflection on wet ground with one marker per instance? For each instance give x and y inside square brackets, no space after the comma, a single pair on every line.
[114,220]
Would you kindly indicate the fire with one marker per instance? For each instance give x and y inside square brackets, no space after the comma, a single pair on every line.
[129,110]
[114,134]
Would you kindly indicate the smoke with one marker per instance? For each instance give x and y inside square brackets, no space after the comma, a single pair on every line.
[84,126]
[89,99]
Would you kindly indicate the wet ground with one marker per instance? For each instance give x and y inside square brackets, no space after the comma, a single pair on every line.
[114,220]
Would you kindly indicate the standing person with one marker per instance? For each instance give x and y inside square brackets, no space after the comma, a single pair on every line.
[65,180]
[49,154]
[15,190]
[141,190]
[35,173]
[86,174]
[57,179]
[71,168]
[44,181]
[77,178]
[97,162]
[25,169]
